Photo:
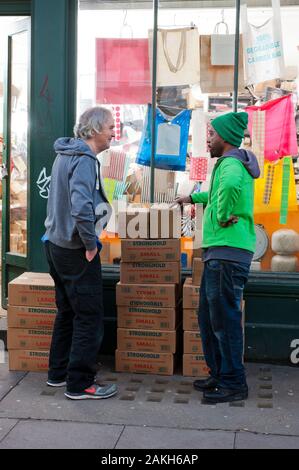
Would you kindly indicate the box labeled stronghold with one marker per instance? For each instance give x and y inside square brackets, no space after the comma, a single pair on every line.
[144,362]
[154,318]
[150,272]
[32,289]
[150,250]
[30,317]
[146,340]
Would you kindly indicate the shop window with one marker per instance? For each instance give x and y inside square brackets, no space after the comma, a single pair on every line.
[115,70]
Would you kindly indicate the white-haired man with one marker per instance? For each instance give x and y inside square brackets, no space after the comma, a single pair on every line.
[77,206]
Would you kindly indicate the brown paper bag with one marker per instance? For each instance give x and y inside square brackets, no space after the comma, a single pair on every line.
[217,78]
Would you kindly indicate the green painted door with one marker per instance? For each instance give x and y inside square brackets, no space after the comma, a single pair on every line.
[16,140]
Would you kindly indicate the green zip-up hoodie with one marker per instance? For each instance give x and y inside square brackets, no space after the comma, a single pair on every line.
[231,193]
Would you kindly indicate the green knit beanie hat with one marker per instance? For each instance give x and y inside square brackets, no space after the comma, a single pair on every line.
[231,127]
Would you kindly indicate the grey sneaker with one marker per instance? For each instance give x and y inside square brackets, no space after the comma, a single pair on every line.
[94,392]
[55,383]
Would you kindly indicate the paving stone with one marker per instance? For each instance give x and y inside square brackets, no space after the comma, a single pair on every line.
[5,426]
[61,435]
[258,441]
[159,438]
[8,379]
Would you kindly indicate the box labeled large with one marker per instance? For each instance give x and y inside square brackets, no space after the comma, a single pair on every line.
[26,360]
[194,365]
[33,289]
[154,318]
[165,221]
[146,340]
[192,342]
[146,295]
[24,338]
[151,250]
[190,319]
[134,222]
[190,294]
[144,362]
[30,317]
[150,272]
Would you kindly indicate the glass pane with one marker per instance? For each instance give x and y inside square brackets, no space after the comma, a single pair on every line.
[114,71]
[18,144]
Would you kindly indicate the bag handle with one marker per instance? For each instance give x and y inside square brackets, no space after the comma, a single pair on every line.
[217,26]
[181,58]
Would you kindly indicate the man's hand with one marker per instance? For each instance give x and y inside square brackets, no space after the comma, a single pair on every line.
[232,220]
[183,200]
[90,254]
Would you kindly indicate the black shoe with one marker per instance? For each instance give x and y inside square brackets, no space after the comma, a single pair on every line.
[222,395]
[205,384]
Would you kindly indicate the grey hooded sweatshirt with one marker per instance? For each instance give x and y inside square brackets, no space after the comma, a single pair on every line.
[78,209]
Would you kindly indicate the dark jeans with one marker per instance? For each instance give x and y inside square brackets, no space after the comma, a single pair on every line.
[220,320]
[78,329]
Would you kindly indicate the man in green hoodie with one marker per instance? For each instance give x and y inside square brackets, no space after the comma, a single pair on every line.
[228,247]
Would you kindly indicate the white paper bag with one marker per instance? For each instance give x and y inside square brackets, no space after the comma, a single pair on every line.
[222,47]
[263,49]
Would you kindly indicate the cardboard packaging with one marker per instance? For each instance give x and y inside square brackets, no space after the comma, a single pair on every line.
[27,360]
[144,362]
[196,253]
[105,252]
[147,295]
[32,289]
[134,222]
[197,271]
[30,317]
[192,342]
[146,340]
[190,294]
[190,319]
[149,272]
[165,221]
[24,338]
[150,250]
[194,365]
[147,318]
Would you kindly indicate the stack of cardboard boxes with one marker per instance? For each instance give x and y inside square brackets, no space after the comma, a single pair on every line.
[31,315]
[193,360]
[147,297]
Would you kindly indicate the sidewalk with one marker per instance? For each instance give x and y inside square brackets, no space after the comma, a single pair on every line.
[150,412]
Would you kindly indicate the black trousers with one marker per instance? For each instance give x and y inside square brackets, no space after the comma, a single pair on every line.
[79,328]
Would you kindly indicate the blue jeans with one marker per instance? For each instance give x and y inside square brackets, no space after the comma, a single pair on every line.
[78,329]
[220,320]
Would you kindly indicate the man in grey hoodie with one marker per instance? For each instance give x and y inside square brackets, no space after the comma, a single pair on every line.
[77,212]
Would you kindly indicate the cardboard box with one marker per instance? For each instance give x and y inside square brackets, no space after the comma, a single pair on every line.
[151,250]
[190,319]
[194,365]
[24,338]
[190,294]
[26,360]
[147,318]
[30,317]
[146,340]
[192,342]
[196,253]
[147,295]
[134,222]
[105,252]
[165,221]
[162,272]
[144,362]
[197,271]
[32,289]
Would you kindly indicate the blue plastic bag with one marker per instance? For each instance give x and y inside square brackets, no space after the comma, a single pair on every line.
[171,141]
